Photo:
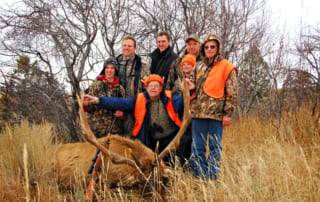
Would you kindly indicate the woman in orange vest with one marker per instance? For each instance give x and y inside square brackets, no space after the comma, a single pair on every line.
[157,113]
[214,102]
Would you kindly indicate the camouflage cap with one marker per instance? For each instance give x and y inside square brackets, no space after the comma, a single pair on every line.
[212,37]
[193,37]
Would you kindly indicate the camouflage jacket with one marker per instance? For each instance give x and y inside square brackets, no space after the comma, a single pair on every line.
[204,106]
[131,72]
[100,119]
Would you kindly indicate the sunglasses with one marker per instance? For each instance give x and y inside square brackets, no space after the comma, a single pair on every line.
[211,47]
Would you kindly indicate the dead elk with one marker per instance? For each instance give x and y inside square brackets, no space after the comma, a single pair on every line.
[74,160]
[126,162]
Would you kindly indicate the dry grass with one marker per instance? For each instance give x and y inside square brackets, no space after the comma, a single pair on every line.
[259,163]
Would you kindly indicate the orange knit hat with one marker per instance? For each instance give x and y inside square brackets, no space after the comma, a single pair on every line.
[189,58]
[154,77]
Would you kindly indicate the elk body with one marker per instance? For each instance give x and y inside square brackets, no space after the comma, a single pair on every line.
[126,162]
[74,160]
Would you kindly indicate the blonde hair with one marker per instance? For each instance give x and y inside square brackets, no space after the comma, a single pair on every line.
[128,37]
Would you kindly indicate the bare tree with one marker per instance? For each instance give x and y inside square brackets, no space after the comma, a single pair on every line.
[254,80]
[277,57]
[62,31]
[156,16]
[72,36]
[308,49]
[59,33]
[114,21]
[36,95]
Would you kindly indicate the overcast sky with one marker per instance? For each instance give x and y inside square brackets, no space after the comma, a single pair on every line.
[287,15]
[289,11]
[292,12]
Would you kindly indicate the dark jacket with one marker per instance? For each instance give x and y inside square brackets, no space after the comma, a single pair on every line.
[128,104]
[162,63]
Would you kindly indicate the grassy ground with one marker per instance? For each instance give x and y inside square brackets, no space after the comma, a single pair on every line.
[261,161]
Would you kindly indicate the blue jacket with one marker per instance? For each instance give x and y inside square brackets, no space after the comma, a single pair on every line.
[128,104]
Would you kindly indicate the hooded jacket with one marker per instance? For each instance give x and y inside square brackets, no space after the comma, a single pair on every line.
[216,86]
[100,120]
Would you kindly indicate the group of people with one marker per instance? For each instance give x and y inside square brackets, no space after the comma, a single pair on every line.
[143,99]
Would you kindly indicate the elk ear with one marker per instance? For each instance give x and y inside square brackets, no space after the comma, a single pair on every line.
[156,150]
[136,160]
[156,155]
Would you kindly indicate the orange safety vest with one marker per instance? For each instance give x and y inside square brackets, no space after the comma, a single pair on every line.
[217,77]
[140,111]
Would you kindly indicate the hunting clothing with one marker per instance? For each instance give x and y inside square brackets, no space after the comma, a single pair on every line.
[154,121]
[100,119]
[215,96]
[131,72]
[162,63]
[215,101]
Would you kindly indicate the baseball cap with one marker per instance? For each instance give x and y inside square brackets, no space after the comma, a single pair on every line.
[193,37]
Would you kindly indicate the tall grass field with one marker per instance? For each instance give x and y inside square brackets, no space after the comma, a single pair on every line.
[262,160]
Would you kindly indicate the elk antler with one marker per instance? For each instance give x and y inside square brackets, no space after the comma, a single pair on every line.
[115,158]
[185,122]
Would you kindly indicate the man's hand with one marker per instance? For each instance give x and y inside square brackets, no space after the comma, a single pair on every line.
[191,84]
[119,114]
[226,120]
[89,99]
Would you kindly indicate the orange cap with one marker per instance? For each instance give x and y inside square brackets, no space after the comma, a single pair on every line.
[189,58]
[154,77]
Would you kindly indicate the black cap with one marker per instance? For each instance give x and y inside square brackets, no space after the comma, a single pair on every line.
[110,61]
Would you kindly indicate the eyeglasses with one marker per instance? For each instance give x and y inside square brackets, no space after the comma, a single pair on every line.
[153,86]
[211,47]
